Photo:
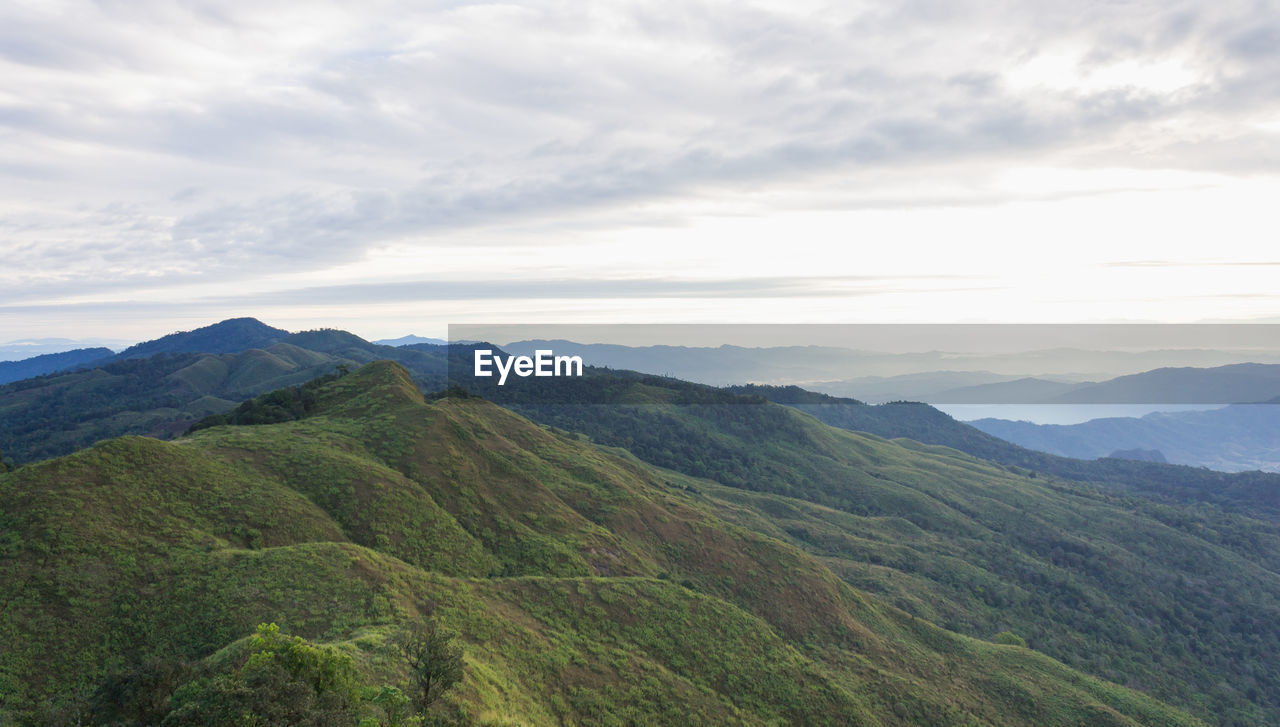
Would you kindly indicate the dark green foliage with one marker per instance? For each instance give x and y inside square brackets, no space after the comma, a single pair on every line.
[281,405]
[230,336]
[47,416]
[1009,638]
[435,663]
[51,362]
[141,695]
[284,681]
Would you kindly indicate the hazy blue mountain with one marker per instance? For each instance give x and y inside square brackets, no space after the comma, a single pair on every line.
[1233,384]
[845,371]
[26,348]
[1018,391]
[411,340]
[50,362]
[1232,439]
[230,336]
[912,387]
[1141,455]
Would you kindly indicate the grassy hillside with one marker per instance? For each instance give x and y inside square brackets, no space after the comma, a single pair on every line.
[1255,494]
[585,586]
[1178,600]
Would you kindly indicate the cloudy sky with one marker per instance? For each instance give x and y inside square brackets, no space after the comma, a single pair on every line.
[392,167]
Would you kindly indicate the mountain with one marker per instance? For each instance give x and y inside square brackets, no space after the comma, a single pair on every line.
[30,347]
[843,370]
[716,366]
[230,336]
[1141,455]
[583,586]
[1239,383]
[1017,391]
[913,387]
[50,362]
[161,395]
[1253,493]
[1236,383]
[1115,569]
[1232,439]
[411,340]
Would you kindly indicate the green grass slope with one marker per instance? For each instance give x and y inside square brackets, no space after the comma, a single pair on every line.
[1251,493]
[1180,601]
[585,586]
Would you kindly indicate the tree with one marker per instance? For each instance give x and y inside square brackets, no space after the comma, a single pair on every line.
[285,681]
[4,466]
[435,663]
[139,695]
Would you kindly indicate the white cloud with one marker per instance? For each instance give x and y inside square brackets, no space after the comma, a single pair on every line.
[157,146]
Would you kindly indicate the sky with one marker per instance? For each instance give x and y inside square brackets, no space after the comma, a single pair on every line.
[395,167]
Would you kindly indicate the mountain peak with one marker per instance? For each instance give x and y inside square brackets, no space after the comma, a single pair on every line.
[230,336]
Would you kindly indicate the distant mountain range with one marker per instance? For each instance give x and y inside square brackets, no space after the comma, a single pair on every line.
[229,336]
[843,371]
[23,349]
[410,341]
[1232,439]
[1233,384]
[159,388]
[50,362]
[907,387]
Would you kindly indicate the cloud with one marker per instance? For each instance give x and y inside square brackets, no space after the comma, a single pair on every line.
[569,288]
[1193,264]
[148,143]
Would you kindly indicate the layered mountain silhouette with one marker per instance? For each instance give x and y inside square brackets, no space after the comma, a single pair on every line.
[618,544]
[1236,383]
[1233,439]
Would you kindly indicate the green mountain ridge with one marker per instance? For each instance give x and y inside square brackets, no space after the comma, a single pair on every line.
[586,587]
[230,336]
[1255,494]
[1174,597]
[163,394]
[49,363]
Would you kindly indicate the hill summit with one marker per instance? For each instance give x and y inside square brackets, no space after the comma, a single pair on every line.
[230,336]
